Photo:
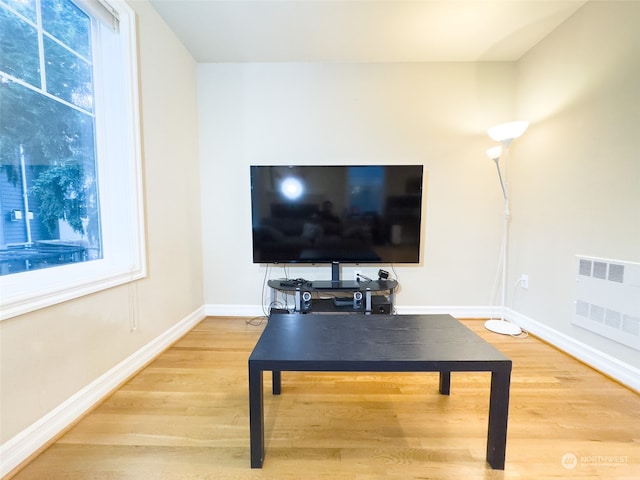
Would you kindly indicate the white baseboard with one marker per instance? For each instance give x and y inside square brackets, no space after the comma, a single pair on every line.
[19,448]
[622,372]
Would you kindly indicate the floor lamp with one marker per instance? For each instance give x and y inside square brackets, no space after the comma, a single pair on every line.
[504,133]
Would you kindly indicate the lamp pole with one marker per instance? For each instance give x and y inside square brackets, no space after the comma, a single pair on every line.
[505,233]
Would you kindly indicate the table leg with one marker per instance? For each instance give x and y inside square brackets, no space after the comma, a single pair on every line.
[445,383]
[498,415]
[256,416]
[276,382]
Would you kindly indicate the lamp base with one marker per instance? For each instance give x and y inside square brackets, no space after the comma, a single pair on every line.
[502,327]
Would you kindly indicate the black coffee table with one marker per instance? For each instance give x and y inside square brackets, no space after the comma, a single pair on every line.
[377,343]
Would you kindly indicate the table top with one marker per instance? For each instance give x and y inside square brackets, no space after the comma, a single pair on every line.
[373,343]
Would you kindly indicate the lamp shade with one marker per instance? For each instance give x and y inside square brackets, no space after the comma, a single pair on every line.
[505,132]
[494,152]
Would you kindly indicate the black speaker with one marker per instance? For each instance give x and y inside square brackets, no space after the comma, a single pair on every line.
[303,300]
[305,303]
[357,299]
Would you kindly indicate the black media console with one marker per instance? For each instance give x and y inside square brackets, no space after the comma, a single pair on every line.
[327,296]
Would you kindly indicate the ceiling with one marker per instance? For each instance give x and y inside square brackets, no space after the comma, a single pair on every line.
[362,30]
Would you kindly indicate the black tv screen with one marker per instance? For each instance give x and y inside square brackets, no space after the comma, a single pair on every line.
[330,214]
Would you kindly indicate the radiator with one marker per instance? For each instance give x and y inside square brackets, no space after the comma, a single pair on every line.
[607,299]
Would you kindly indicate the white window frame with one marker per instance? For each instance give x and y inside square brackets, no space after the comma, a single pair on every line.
[119,166]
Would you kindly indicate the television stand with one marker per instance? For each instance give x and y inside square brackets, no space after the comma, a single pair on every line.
[345,296]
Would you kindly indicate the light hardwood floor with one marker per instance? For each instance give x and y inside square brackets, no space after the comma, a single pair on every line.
[185,416]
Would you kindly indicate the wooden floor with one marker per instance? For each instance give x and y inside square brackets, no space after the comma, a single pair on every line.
[185,416]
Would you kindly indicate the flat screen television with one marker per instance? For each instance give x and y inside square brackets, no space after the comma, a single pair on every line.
[336,214]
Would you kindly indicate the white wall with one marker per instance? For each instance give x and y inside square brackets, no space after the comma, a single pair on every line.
[430,114]
[49,355]
[576,172]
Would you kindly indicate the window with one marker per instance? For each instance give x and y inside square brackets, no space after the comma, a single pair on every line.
[70,203]
[48,192]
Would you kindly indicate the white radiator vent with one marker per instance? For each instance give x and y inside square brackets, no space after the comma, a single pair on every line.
[608,299]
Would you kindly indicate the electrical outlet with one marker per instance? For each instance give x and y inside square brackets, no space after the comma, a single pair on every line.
[356,273]
[524,281]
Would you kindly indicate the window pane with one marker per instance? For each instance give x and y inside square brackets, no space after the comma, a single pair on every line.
[66,22]
[24,7]
[48,174]
[68,76]
[19,54]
